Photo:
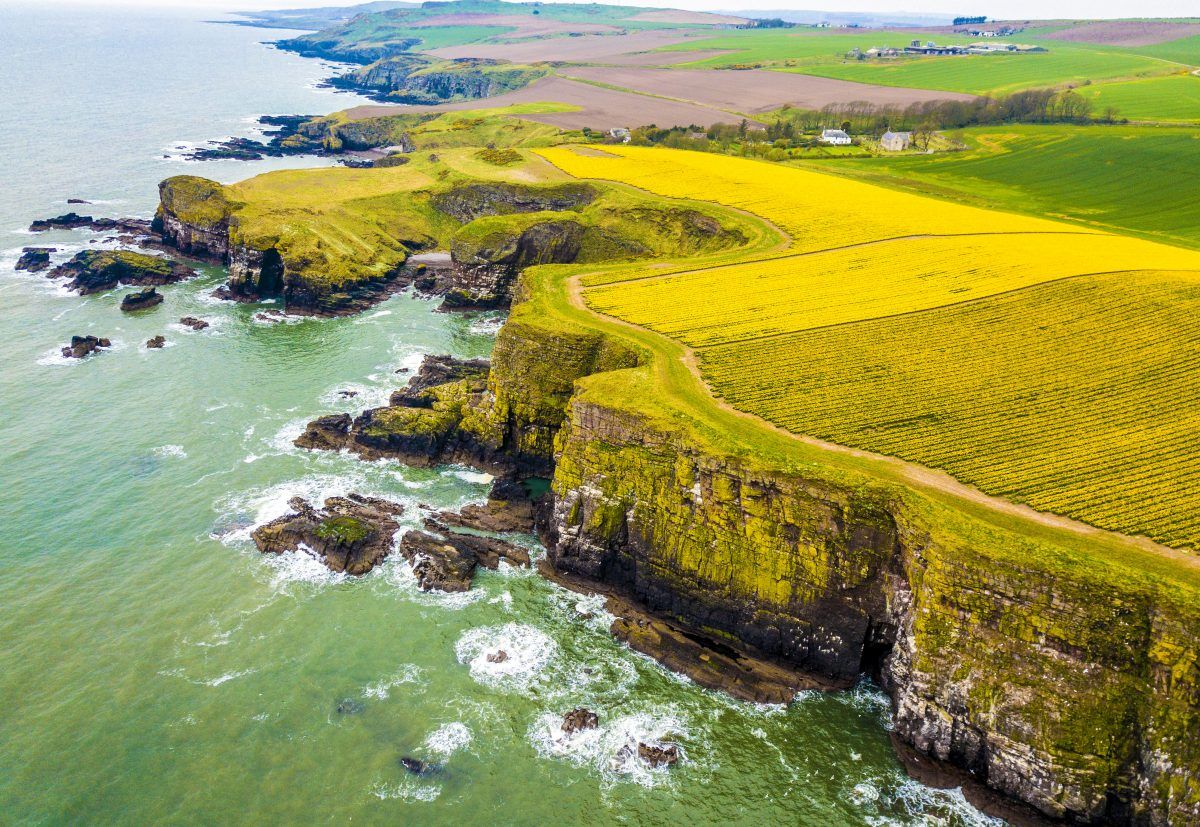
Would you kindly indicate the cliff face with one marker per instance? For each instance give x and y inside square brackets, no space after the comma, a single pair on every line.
[193,215]
[1070,688]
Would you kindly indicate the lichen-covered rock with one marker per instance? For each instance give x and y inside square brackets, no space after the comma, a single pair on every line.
[447,563]
[468,202]
[351,534]
[92,271]
[193,215]
[326,433]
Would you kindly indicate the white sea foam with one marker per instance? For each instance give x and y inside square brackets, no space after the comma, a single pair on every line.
[529,651]
[611,749]
[448,739]
[406,673]
[407,789]
[229,676]
[399,573]
[170,451]
[365,396]
[469,475]
[487,325]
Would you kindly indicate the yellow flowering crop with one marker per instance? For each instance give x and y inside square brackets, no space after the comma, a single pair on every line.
[1046,363]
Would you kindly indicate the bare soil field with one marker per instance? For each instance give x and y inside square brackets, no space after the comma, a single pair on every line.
[690,18]
[585,49]
[753,90]
[599,108]
[1126,32]
[525,25]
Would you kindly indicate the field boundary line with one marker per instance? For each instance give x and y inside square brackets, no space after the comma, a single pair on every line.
[960,303]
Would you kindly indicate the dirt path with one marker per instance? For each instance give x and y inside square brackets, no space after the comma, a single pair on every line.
[915,475]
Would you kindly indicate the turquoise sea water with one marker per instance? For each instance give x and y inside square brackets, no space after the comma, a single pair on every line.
[155,668]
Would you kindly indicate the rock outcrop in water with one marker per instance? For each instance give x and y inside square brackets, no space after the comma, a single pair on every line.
[447,563]
[82,346]
[350,534]
[93,271]
[34,259]
[141,300]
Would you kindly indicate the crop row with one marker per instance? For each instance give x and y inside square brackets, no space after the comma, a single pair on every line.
[1078,397]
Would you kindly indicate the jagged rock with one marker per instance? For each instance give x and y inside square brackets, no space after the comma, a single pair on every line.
[193,323]
[448,563]
[437,563]
[499,656]
[156,342]
[347,394]
[508,508]
[141,300]
[82,346]
[579,719]
[95,270]
[350,534]
[326,433]
[34,259]
[434,371]
[658,756]
[77,201]
[66,221]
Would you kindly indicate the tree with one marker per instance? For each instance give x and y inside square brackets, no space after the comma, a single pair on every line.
[846,127]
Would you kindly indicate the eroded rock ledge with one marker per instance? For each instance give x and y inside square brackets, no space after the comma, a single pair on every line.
[350,534]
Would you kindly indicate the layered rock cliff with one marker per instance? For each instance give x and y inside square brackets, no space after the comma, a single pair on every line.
[1049,673]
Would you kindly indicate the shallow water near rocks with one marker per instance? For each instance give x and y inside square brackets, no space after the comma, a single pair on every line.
[155,667]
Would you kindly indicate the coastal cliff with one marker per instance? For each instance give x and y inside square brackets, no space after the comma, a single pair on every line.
[1053,677]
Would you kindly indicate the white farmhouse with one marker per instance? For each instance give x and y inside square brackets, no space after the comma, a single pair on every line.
[834,136]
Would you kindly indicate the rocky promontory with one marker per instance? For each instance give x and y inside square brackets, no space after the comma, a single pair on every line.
[350,534]
[447,561]
[93,271]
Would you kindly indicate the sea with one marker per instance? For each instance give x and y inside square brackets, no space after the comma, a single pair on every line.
[156,668]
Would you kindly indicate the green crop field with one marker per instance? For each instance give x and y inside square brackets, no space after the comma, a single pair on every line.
[1077,396]
[996,74]
[804,46]
[1169,98]
[1133,179]
[1185,50]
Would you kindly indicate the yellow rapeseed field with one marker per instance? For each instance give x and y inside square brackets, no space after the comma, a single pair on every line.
[1045,363]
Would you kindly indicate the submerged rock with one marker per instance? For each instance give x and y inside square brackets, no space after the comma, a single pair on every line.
[351,534]
[82,346]
[141,300]
[580,719]
[95,270]
[499,656]
[34,259]
[156,342]
[350,706]
[415,765]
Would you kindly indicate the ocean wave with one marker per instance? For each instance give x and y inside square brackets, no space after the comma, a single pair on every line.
[406,673]
[170,451]
[528,651]
[448,739]
[611,748]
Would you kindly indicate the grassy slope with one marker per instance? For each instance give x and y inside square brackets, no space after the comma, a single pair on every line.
[1134,180]
[1168,98]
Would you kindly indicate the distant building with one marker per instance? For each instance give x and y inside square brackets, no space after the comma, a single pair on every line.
[620,133]
[896,141]
[834,136]
[931,48]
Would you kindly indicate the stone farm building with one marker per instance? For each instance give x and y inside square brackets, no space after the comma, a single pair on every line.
[896,141]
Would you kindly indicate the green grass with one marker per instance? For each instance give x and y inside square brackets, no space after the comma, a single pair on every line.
[997,74]
[1136,180]
[804,47]
[1185,50]
[1170,98]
